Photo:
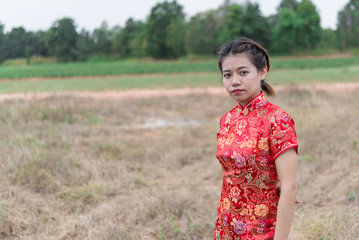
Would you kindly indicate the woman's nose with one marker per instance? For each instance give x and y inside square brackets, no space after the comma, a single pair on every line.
[236,80]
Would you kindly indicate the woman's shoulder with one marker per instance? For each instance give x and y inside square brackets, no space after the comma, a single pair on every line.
[228,116]
[276,113]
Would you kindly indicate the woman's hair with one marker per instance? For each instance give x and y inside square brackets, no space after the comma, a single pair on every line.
[256,53]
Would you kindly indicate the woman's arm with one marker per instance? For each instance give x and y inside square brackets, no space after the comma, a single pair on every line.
[286,165]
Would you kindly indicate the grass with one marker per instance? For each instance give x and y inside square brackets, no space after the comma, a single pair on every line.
[104,68]
[65,176]
[24,61]
[76,169]
[276,77]
[140,67]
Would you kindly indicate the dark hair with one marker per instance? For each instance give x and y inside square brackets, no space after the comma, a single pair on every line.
[256,53]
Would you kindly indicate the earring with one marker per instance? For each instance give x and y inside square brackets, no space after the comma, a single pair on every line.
[263,82]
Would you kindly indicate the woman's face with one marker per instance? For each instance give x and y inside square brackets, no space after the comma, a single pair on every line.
[241,78]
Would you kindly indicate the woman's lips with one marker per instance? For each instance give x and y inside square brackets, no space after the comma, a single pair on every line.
[237,91]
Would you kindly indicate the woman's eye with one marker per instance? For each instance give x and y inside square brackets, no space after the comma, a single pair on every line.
[243,72]
[227,75]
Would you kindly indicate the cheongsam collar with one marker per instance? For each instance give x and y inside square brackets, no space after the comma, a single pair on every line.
[256,103]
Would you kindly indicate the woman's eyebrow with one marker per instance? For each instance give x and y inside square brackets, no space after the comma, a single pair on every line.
[242,67]
[239,68]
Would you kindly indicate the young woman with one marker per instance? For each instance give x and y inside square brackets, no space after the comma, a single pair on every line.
[257,148]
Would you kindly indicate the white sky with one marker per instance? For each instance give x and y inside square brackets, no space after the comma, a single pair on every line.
[36,15]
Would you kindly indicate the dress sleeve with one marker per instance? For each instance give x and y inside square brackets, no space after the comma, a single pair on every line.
[225,119]
[221,122]
[282,134]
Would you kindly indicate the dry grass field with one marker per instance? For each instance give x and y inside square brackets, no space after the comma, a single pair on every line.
[80,168]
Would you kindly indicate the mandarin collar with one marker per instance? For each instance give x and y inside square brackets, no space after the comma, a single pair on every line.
[256,103]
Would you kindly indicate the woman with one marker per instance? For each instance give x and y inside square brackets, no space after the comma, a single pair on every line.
[257,148]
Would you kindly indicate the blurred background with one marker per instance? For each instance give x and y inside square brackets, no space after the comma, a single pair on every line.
[109,112]
[165,30]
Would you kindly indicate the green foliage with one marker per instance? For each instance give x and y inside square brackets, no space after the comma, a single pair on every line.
[160,233]
[166,34]
[350,195]
[2,36]
[297,27]
[286,31]
[310,30]
[176,230]
[2,213]
[175,38]
[202,33]
[102,37]
[289,4]
[255,26]
[15,43]
[37,43]
[354,144]
[138,45]
[329,39]
[244,21]
[84,45]
[18,43]
[160,43]
[232,25]
[62,39]
[128,42]
[348,22]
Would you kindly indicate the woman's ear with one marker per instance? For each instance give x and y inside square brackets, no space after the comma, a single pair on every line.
[263,73]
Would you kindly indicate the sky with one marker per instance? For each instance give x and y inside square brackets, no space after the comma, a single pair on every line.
[36,15]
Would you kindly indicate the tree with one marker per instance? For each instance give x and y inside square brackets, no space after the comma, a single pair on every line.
[202,33]
[289,4]
[297,27]
[286,31]
[18,43]
[102,37]
[37,42]
[84,45]
[15,43]
[138,45]
[62,39]
[329,39]
[244,21]
[2,39]
[348,22]
[159,20]
[175,38]
[232,24]
[309,31]
[121,42]
[254,24]
[285,26]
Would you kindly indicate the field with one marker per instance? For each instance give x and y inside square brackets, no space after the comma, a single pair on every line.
[174,80]
[141,67]
[145,168]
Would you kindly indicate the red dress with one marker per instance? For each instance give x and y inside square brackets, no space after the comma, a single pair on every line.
[248,143]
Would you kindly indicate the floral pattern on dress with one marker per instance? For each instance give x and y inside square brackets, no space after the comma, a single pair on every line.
[249,140]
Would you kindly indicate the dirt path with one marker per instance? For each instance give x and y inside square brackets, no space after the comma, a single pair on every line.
[146,93]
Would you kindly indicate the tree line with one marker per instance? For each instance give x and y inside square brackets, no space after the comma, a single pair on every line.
[167,34]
